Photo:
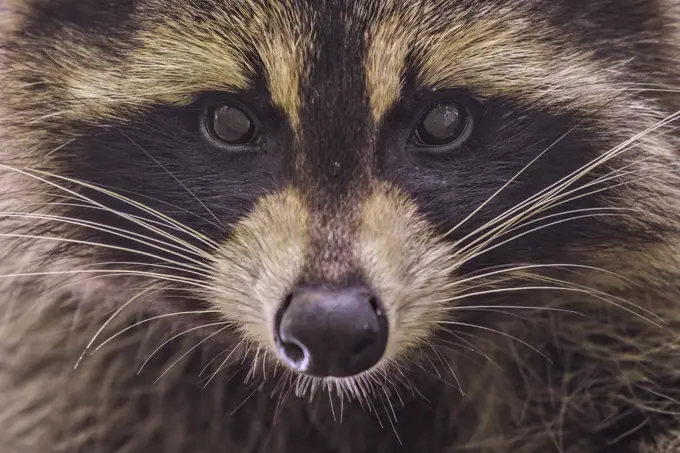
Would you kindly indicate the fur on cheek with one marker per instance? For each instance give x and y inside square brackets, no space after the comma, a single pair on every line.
[254,270]
[408,265]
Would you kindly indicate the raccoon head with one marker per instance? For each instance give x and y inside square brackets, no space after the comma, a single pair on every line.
[342,182]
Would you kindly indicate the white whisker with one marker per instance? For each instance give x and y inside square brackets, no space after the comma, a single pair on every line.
[448,365]
[117,272]
[479,251]
[148,320]
[165,203]
[224,362]
[119,232]
[540,198]
[582,290]
[474,349]
[97,208]
[138,205]
[535,266]
[505,334]
[202,326]
[511,307]
[604,296]
[111,318]
[105,246]
[183,228]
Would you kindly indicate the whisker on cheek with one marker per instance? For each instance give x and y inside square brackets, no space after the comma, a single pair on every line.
[202,326]
[555,191]
[108,321]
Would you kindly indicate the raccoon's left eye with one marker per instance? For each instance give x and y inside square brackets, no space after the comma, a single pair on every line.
[444,127]
[230,126]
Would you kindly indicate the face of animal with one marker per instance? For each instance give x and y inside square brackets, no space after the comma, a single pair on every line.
[346,182]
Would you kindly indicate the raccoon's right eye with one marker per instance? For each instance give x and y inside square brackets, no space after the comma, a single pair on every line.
[230,126]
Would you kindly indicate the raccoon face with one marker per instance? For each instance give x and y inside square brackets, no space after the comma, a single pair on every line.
[341,180]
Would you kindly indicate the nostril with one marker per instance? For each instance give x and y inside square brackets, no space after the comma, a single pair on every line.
[293,352]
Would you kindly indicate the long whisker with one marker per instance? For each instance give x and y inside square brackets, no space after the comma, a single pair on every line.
[512,289]
[618,173]
[511,268]
[474,348]
[511,307]
[603,295]
[159,215]
[157,200]
[224,362]
[522,225]
[213,360]
[505,230]
[448,365]
[154,318]
[244,401]
[505,334]
[519,271]
[174,337]
[560,200]
[114,195]
[478,251]
[117,272]
[119,232]
[97,208]
[253,365]
[574,288]
[110,319]
[105,246]
[543,196]
[167,370]
[123,272]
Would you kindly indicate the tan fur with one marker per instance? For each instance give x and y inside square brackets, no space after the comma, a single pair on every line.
[407,264]
[186,59]
[258,266]
[384,62]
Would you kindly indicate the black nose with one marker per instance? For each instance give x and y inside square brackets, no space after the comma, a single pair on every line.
[324,332]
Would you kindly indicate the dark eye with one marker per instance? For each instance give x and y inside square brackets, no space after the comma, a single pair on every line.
[445,126]
[230,126]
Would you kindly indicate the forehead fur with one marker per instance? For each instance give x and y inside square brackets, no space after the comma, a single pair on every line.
[174,50]
[509,49]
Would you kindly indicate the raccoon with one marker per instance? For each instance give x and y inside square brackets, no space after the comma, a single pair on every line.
[340,226]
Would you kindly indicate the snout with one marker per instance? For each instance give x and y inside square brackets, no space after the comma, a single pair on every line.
[334,299]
